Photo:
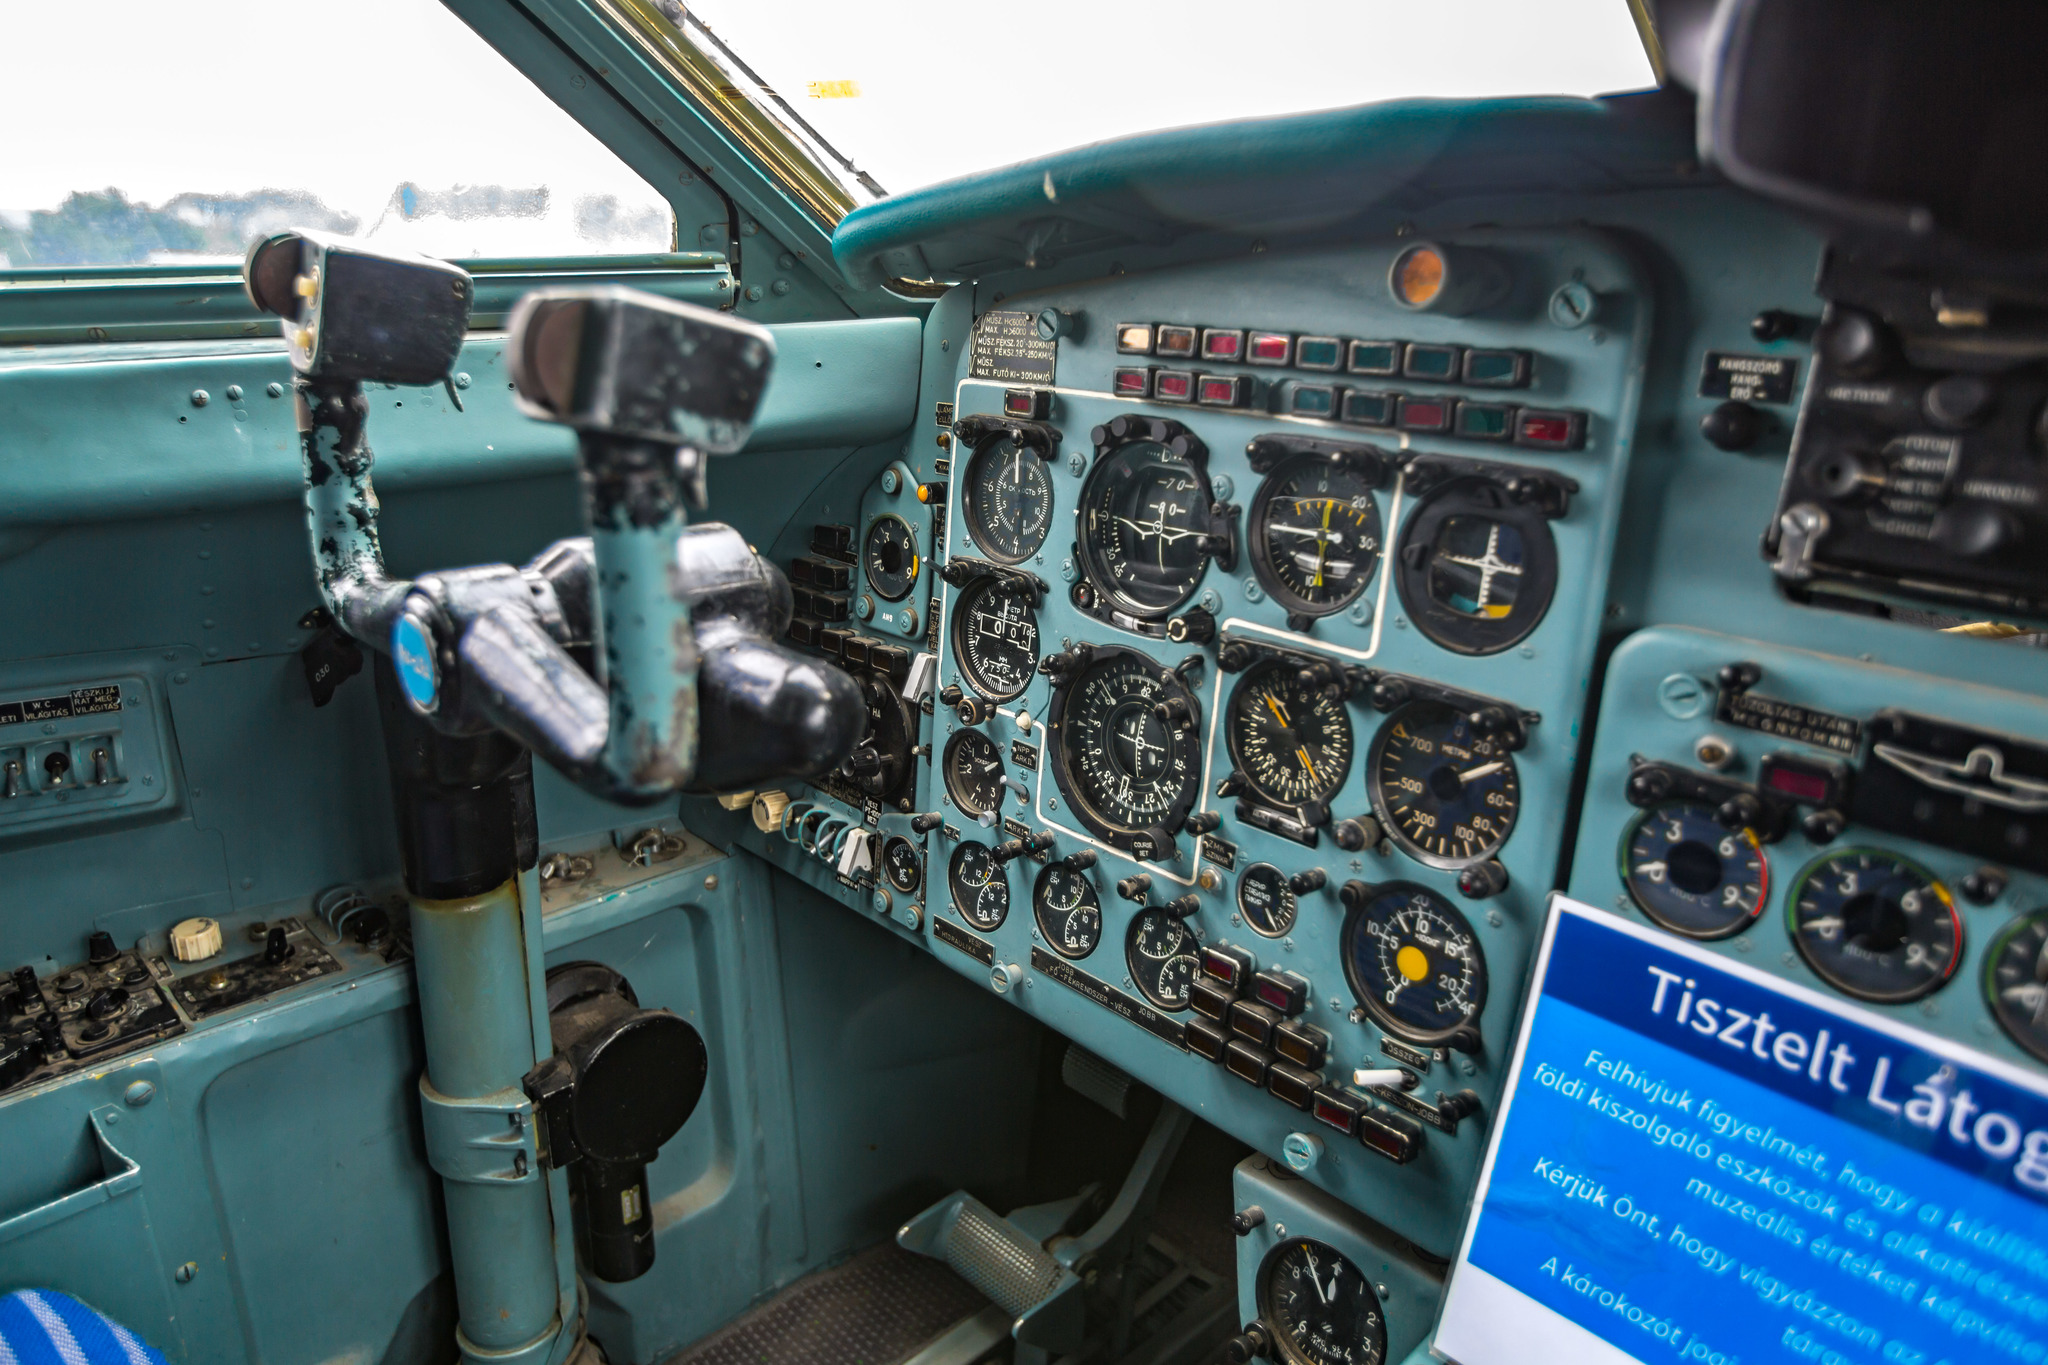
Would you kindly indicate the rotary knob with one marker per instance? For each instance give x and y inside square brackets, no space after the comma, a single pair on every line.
[195,940]
[768,809]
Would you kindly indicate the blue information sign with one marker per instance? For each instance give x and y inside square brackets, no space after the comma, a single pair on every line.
[1695,1161]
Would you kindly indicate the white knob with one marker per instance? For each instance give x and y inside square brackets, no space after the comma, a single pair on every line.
[1005,977]
[768,809]
[195,940]
[737,801]
[1390,1076]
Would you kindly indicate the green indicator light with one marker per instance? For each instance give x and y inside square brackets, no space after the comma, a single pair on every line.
[1316,353]
[1369,409]
[1482,421]
[1314,400]
[1432,362]
[1492,367]
[1375,357]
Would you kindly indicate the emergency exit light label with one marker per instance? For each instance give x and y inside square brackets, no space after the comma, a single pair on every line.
[1696,1161]
[1007,347]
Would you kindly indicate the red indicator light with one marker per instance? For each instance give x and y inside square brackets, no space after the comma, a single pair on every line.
[1219,391]
[1173,386]
[1419,414]
[1221,966]
[1274,994]
[1219,345]
[1552,430]
[1389,1141]
[1133,383]
[1019,403]
[1337,1116]
[1797,784]
[1270,348]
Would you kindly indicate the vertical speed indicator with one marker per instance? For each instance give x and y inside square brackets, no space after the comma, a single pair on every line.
[1446,793]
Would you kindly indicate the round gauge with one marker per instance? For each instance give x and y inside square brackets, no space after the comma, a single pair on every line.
[973,771]
[1128,772]
[1875,925]
[1008,500]
[1414,962]
[2016,981]
[1145,524]
[995,637]
[1315,534]
[1265,900]
[1160,954]
[1292,743]
[981,889]
[900,864]
[1691,875]
[1447,794]
[1476,569]
[1068,910]
[1322,1309]
[889,557]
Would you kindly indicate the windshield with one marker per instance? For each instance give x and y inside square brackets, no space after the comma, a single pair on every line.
[918,91]
[151,133]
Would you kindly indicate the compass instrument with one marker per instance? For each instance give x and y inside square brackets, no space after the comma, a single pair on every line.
[995,636]
[1068,910]
[1875,925]
[973,772]
[889,558]
[1691,875]
[1477,569]
[1162,957]
[981,889]
[1126,751]
[1315,534]
[2016,981]
[1413,961]
[1146,533]
[1265,900]
[1446,793]
[1321,1308]
[1291,742]
[900,864]
[1007,500]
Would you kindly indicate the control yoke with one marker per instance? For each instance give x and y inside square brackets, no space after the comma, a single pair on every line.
[652,388]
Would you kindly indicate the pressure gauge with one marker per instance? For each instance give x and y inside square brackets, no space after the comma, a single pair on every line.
[1322,1309]
[1693,876]
[1068,910]
[1875,925]
[1447,793]
[980,887]
[889,557]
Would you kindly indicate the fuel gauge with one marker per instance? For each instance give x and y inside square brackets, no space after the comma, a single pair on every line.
[2016,981]
[1691,875]
[1875,925]
[1068,910]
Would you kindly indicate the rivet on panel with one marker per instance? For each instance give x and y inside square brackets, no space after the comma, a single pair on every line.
[1681,696]
[234,393]
[274,389]
[200,398]
[186,1271]
[754,293]
[711,882]
[781,286]
[462,380]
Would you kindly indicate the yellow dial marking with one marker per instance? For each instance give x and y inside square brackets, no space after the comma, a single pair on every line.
[1413,962]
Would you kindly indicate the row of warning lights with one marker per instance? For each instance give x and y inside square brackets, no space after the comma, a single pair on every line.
[1493,369]
[1428,414]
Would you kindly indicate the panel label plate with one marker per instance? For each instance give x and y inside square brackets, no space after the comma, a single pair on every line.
[1024,755]
[1788,720]
[1221,852]
[1401,1052]
[79,701]
[1006,347]
[1750,378]
[1110,998]
[953,936]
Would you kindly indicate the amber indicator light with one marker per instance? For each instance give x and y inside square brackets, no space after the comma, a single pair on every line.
[1419,276]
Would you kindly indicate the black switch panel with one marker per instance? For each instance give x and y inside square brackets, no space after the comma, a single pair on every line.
[78,1017]
[290,956]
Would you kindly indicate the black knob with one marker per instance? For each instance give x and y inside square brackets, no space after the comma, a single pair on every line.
[1198,627]
[1233,784]
[1135,887]
[1847,477]
[931,494]
[1773,324]
[1320,676]
[275,947]
[1958,402]
[1823,826]
[974,710]
[927,822]
[1310,879]
[1174,710]
[1389,693]
[1739,677]
[1080,860]
[950,695]
[1354,893]
[1856,344]
[1648,786]
[1201,822]
[1180,907]
[1733,425]
[1483,879]
[1458,1106]
[1740,811]
[107,1003]
[99,948]
[1465,1040]
[1984,886]
[1253,1343]
[1359,832]
[865,760]
[1245,1219]
[1009,851]
[1014,849]
[1233,657]
[1975,529]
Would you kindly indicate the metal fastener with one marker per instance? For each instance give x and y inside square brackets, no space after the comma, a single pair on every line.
[234,393]
[200,398]
[711,882]
[186,1271]
[139,1093]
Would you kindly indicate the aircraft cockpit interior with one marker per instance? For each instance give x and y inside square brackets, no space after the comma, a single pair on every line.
[1384,702]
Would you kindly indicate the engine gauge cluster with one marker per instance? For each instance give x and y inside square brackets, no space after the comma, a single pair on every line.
[981,892]
[1160,954]
[1875,925]
[1692,874]
[1068,910]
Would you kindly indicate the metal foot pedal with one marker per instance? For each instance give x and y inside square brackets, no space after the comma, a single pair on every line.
[1009,1265]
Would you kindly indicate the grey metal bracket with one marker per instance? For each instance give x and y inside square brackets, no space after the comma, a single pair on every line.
[488,1140]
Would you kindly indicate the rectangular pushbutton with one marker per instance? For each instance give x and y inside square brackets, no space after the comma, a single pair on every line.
[1337,1109]
[1252,1021]
[1312,400]
[1374,357]
[1231,966]
[1134,338]
[1281,991]
[1170,340]
[1546,429]
[1206,1039]
[1210,999]
[1363,408]
[1223,390]
[1303,1044]
[1423,414]
[1031,404]
[1292,1084]
[1246,1062]
[1497,369]
[1222,343]
[1484,421]
[1318,353]
[1135,382]
[1268,348]
[1173,386]
[1438,363]
[1387,1133]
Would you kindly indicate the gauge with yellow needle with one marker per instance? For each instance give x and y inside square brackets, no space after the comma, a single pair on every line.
[1315,534]
[1290,742]
[1414,962]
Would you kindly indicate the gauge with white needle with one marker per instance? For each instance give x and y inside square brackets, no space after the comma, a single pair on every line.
[1292,743]
[1446,793]
[1146,528]
[1315,534]
[1007,500]
[1320,1306]
[2016,981]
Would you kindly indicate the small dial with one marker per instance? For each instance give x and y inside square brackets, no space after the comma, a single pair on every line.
[973,770]
[1446,793]
[1129,773]
[1068,910]
[900,864]
[1875,925]
[1162,958]
[889,557]
[1477,569]
[2016,981]
[981,889]
[1691,875]
[1292,743]
[1316,534]
[1414,963]
[1145,528]
[1266,900]
[1322,1309]
[995,637]
[1008,501]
